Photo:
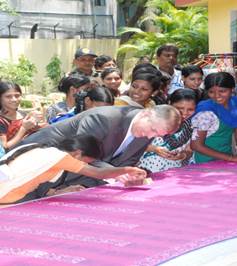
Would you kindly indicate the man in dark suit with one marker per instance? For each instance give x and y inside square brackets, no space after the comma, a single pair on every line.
[113,127]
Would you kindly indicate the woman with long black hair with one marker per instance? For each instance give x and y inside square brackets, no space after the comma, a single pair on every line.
[69,86]
[28,172]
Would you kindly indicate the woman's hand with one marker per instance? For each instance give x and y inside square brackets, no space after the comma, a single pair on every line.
[134,176]
[29,123]
[165,153]
[134,171]
[176,156]
[129,176]
[37,115]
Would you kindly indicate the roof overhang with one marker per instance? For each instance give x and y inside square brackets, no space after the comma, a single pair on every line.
[191,2]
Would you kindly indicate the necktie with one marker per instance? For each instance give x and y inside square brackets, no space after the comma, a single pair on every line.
[124,145]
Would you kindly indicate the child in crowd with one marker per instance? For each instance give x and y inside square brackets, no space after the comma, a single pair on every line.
[142,68]
[192,77]
[70,86]
[161,96]
[112,79]
[141,90]
[172,151]
[104,61]
[19,183]
[215,120]
[14,124]
[98,96]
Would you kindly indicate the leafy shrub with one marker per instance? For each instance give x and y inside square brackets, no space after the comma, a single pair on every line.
[26,104]
[54,71]
[21,73]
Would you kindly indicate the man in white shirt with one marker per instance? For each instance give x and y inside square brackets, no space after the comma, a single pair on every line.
[167,59]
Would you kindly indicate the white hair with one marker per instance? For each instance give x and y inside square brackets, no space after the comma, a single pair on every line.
[165,112]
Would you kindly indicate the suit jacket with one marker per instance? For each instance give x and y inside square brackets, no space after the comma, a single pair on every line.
[108,124]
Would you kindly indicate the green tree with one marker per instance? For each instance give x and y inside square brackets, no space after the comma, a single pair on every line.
[21,72]
[139,7]
[126,5]
[131,21]
[186,27]
[54,71]
[25,71]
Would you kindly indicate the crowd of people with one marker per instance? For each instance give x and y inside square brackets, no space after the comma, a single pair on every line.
[166,117]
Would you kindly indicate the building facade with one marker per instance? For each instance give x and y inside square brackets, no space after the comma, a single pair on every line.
[61,19]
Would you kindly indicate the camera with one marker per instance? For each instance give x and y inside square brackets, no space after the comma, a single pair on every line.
[79,99]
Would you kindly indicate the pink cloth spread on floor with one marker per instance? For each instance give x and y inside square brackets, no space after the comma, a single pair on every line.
[184,209]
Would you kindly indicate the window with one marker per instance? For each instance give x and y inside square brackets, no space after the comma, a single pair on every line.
[99,2]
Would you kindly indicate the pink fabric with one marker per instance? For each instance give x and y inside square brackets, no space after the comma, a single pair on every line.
[183,210]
